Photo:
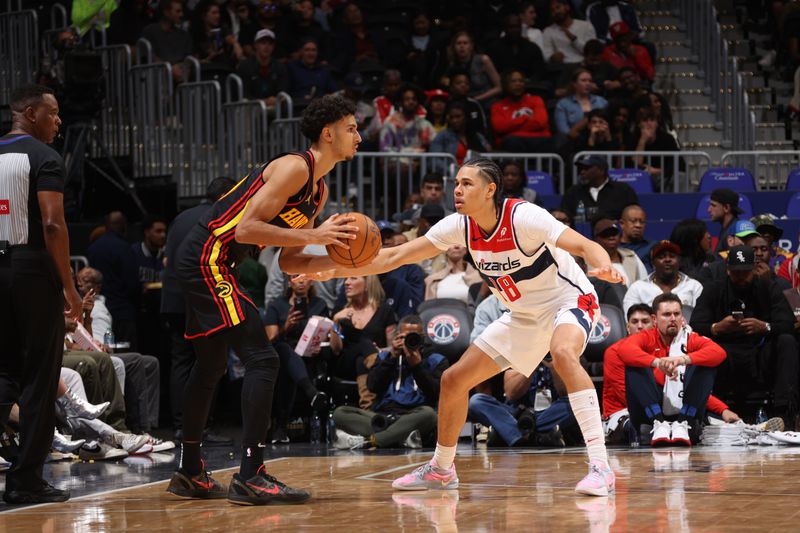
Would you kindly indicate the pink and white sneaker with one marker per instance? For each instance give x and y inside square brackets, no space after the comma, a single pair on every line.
[426,477]
[600,481]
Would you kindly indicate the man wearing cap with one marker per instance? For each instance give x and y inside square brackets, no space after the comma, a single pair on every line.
[603,13]
[750,318]
[738,234]
[169,42]
[623,53]
[263,77]
[665,278]
[598,194]
[765,225]
[606,233]
[723,208]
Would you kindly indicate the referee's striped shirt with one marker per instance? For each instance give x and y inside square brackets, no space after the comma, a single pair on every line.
[27,166]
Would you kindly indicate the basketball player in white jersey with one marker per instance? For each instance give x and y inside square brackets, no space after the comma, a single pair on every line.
[524,255]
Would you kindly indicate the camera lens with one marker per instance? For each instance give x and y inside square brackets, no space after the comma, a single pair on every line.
[413,341]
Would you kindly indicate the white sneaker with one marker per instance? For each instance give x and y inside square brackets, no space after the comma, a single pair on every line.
[346,441]
[662,433]
[413,441]
[158,444]
[680,434]
[128,441]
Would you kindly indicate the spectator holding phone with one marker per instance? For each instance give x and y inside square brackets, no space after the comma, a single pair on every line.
[285,321]
[750,318]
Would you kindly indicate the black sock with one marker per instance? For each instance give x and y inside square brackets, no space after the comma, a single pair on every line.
[191,459]
[659,417]
[252,459]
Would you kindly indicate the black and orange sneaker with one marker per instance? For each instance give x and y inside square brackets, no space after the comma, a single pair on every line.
[199,486]
[263,489]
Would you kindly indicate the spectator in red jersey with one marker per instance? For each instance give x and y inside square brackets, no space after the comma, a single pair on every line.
[623,53]
[520,121]
[669,373]
[615,405]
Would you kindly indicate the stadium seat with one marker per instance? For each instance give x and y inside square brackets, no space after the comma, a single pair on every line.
[793,180]
[447,323]
[541,182]
[639,180]
[609,329]
[793,206]
[737,179]
[744,205]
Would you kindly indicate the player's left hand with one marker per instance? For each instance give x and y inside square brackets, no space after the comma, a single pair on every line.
[608,274]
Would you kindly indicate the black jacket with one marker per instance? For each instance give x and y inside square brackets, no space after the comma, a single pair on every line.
[611,200]
[763,300]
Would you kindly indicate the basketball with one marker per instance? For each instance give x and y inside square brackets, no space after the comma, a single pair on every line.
[363,248]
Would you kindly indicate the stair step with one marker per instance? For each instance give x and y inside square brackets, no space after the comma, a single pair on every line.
[771,134]
[700,135]
[690,97]
[676,42]
[661,27]
[695,125]
[775,145]
[688,82]
[661,20]
[696,116]
[675,51]
[663,34]
[678,59]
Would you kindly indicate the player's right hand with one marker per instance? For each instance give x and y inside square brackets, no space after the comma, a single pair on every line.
[325,275]
[334,229]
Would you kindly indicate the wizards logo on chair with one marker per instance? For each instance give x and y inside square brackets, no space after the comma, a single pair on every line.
[601,331]
[443,329]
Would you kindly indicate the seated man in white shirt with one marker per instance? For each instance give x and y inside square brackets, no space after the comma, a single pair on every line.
[666,277]
[563,41]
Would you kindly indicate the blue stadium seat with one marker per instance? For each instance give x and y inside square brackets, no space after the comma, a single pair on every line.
[793,180]
[744,205]
[639,180]
[737,179]
[793,206]
[541,182]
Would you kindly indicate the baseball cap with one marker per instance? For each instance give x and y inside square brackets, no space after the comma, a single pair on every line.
[385,225]
[436,93]
[592,161]
[727,196]
[605,225]
[765,223]
[664,246]
[355,82]
[743,228]
[619,29]
[264,34]
[432,212]
[741,258]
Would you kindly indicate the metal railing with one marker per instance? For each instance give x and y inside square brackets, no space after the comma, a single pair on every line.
[724,82]
[19,54]
[198,150]
[680,170]
[285,136]
[769,168]
[553,164]
[377,183]
[58,16]
[150,100]
[115,120]
[245,141]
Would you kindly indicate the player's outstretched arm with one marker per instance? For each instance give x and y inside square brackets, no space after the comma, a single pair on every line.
[594,254]
[286,179]
[319,268]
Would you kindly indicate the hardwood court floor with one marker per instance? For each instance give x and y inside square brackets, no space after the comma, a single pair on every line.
[675,491]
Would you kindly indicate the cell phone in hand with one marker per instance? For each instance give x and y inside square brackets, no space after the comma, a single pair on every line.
[737,315]
[301,304]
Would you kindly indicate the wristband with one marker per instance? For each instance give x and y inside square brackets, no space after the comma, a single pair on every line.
[337,330]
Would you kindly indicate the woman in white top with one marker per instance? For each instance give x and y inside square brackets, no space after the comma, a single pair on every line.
[455,279]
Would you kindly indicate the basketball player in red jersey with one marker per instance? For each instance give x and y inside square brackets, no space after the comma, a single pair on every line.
[523,253]
[275,205]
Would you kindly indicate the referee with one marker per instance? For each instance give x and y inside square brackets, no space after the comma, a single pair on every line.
[34,270]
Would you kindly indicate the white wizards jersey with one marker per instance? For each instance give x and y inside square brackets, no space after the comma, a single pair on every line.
[519,259]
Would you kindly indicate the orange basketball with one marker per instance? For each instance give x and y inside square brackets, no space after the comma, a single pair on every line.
[363,248]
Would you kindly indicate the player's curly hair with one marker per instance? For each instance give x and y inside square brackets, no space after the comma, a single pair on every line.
[491,172]
[323,112]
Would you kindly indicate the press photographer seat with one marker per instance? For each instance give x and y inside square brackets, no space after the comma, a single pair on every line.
[447,324]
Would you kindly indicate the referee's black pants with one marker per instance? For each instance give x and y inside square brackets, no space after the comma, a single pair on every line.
[32,328]
[261,363]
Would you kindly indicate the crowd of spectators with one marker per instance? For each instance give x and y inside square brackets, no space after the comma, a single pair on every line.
[526,77]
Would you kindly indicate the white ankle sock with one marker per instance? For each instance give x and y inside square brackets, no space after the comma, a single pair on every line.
[443,456]
[586,409]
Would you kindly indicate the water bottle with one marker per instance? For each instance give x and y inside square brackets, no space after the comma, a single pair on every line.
[315,428]
[108,338]
[761,415]
[580,213]
[331,429]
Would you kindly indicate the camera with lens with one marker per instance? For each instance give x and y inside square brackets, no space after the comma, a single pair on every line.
[414,341]
[526,421]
